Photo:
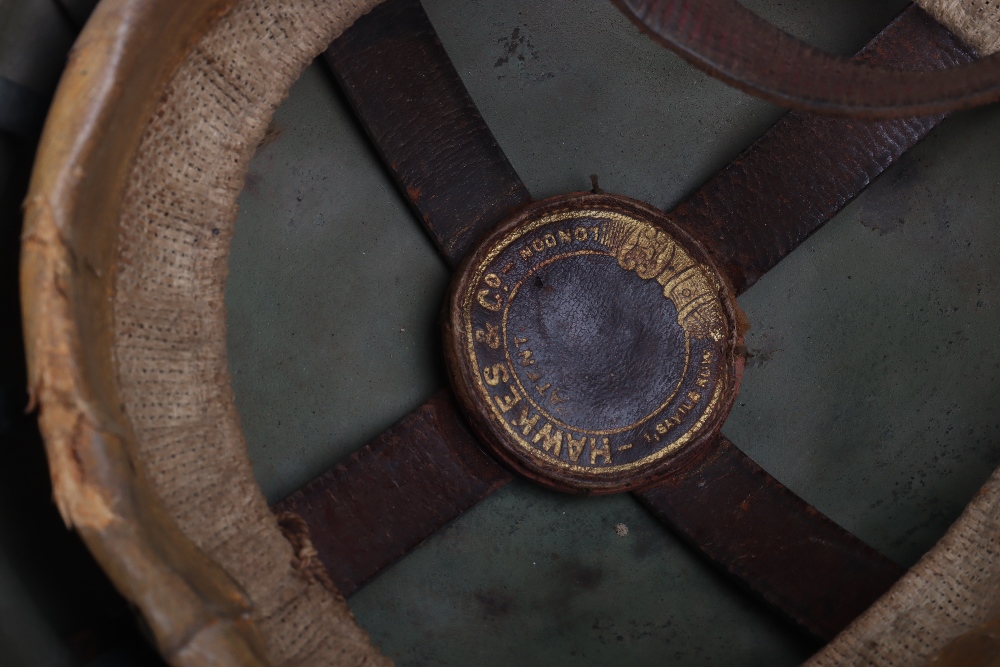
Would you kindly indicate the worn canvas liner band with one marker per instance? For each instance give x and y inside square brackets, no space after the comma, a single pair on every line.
[125,244]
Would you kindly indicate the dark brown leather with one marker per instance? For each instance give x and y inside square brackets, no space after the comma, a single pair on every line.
[393,493]
[730,42]
[772,541]
[417,111]
[806,168]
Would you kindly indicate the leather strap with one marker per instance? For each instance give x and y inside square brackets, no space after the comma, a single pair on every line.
[412,480]
[428,130]
[806,168]
[393,493]
[398,490]
[732,43]
[781,548]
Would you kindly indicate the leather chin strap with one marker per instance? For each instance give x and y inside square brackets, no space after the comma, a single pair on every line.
[730,42]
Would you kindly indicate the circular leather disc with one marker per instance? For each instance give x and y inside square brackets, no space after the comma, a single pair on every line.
[592,343]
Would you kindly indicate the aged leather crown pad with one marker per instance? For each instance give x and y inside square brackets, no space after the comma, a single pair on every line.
[592,343]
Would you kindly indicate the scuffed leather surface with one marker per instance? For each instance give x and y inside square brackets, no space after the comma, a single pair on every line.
[730,42]
[772,541]
[426,127]
[806,168]
[393,493]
